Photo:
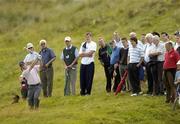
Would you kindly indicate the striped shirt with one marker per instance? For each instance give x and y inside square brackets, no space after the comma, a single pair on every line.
[135,54]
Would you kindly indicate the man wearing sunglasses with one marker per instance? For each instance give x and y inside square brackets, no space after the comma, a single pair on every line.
[32,55]
[47,72]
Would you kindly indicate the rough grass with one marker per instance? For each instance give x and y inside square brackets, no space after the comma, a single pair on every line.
[31,20]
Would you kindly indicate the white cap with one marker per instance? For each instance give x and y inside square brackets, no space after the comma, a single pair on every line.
[42,41]
[178,63]
[67,38]
[29,45]
[132,34]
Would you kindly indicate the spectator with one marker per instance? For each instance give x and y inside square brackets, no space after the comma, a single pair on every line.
[87,51]
[117,39]
[115,65]
[171,58]
[177,44]
[104,53]
[123,55]
[135,59]
[47,71]
[149,47]
[70,57]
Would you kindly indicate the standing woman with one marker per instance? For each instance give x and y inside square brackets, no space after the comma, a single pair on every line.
[87,51]
[171,58]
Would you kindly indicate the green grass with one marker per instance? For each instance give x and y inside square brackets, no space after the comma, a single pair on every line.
[32,20]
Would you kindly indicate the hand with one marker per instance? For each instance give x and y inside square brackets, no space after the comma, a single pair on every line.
[138,65]
[46,65]
[70,66]
[116,65]
[65,67]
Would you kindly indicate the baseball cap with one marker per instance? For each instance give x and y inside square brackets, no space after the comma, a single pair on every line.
[67,38]
[29,45]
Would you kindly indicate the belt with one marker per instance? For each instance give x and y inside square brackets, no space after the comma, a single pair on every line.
[34,84]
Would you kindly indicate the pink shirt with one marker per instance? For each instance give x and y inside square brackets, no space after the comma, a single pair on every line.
[32,76]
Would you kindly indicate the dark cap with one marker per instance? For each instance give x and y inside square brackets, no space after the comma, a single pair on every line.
[21,63]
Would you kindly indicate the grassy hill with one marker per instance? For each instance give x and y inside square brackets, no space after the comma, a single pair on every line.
[22,21]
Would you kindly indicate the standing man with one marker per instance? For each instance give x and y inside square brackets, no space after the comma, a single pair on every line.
[135,59]
[115,64]
[117,39]
[70,57]
[87,51]
[47,72]
[177,43]
[104,57]
[149,47]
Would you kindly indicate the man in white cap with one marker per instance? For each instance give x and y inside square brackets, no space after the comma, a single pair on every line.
[70,57]
[32,55]
[47,72]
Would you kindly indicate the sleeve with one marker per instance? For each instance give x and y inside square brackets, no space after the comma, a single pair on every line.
[76,53]
[52,54]
[62,56]
[80,50]
[25,59]
[37,67]
[141,52]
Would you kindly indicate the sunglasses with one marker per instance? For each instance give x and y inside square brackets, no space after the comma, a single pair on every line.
[30,47]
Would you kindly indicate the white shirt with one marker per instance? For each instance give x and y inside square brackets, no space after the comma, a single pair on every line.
[31,57]
[76,53]
[176,46]
[91,46]
[149,47]
[119,43]
[32,76]
[159,48]
[135,54]
[139,44]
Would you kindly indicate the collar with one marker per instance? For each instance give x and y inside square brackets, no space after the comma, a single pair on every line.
[172,50]
[69,47]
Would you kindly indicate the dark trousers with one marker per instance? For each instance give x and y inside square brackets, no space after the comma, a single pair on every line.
[108,77]
[133,73]
[46,76]
[154,73]
[86,78]
[160,75]
[168,79]
[149,78]
[117,78]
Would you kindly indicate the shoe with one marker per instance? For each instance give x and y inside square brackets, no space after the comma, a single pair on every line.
[134,94]
[141,93]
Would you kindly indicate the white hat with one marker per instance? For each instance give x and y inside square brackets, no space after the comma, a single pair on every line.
[178,63]
[42,41]
[29,45]
[67,38]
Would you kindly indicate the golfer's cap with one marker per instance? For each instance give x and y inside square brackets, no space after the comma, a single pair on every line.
[177,33]
[42,41]
[21,63]
[29,45]
[67,38]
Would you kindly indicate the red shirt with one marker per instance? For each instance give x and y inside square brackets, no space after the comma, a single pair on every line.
[171,58]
